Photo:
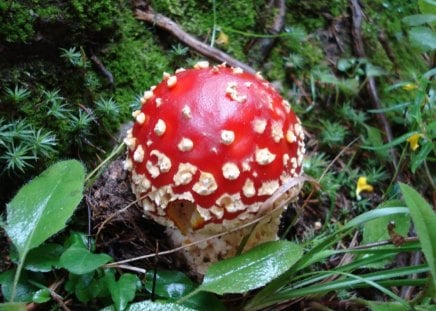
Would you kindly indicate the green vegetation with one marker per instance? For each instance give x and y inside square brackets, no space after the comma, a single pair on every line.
[71,72]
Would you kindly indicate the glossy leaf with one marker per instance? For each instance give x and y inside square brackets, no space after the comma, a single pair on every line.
[44,258]
[122,291]
[252,269]
[42,295]
[169,284]
[41,208]
[23,289]
[79,260]
[152,306]
[173,285]
[424,219]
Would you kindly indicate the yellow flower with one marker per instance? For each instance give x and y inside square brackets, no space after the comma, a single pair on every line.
[362,185]
[413,141]
[222,39]
[409,87]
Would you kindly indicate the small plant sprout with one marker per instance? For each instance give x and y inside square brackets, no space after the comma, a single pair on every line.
[17,94]
[43,143]
[74,57]
[52,97]
[362,185]
[17,158]
[209,146]
[107,107]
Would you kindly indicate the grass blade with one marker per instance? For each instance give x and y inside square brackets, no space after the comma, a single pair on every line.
[424,219]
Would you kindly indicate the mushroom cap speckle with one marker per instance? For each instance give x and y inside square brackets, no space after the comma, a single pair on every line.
[209,145]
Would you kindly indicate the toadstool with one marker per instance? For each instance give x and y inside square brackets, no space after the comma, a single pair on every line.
[208,146]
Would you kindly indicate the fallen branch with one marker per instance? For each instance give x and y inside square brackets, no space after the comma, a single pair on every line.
[265,44]
[103,70]
[371,87]
[198,46]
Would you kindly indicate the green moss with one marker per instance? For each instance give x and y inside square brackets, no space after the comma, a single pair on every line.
[197,18]
[135,61]
[311,14]
[94,15]
[16,22]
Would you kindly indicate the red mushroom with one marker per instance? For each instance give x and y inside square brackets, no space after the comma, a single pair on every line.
[208,147]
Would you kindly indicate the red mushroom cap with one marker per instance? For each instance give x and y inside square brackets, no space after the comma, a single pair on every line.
[210,144]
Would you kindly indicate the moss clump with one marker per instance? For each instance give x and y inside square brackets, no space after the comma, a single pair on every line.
[16,22]
[312,14]
[197,18]
[135,60]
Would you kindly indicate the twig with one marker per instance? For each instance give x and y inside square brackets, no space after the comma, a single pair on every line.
[278,7]
[381,36]
[106,73]
[200,47]
[371,87]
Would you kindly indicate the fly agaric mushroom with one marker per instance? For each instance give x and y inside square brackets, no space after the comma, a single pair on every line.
[208,147]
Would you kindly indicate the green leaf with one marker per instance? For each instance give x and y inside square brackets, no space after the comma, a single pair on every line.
[386,306]
[252,269]
[122,291]
[377,230]
[42,295]
[418,158]
[86,287]
[79,260]
[41,208]
[44,258]
[427,6]
[13,306]
[169,284]
[419,19]
[423,37]
[393,143]
[424,219]
[23,289]
[153,306]
[173,285]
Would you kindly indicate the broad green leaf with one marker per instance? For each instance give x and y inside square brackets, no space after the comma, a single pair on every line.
[252,269]
[23,291]
[42,295]
[13,306]
[377,230]
[86,286]
[424,219]
[427,6]
[169,284]
[79,260]
[44,258]
[41,208]
[153,306]
[173,285]
[419,19]
[386,306]
[423,37]
[122,291]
